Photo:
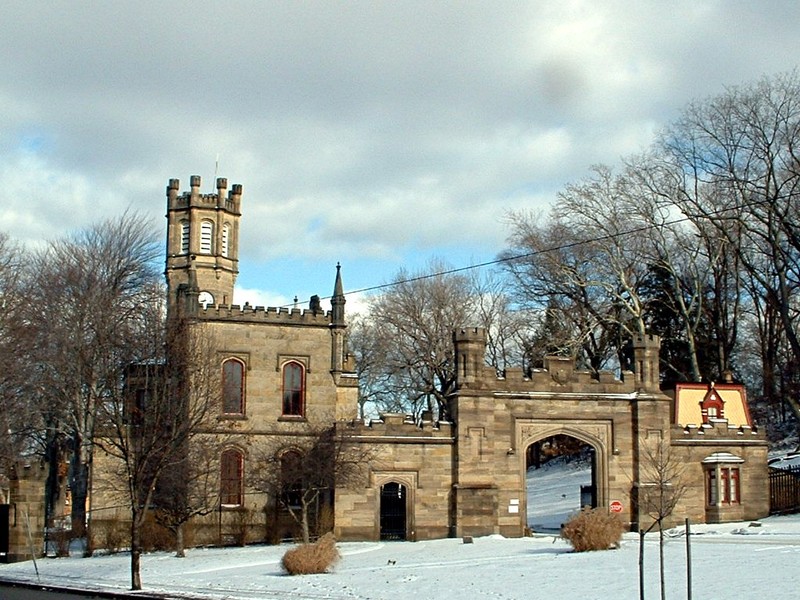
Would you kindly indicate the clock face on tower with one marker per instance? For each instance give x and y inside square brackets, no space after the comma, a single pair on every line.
[205,299]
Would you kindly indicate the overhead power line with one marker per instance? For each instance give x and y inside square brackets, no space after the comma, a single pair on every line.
[567,246]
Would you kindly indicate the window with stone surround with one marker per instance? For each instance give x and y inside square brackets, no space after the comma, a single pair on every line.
[722,479]
[184,237]
[294,377]
[225,239]
[233,386]
[206,237]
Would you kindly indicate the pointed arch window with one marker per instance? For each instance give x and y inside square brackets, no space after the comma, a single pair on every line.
[184,237]
[232,477]
[233,386]
[225,239]
[294,380]
[206,237]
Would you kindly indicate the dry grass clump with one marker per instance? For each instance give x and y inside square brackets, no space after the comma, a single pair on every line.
[311,558]
[112,535]
[593,529]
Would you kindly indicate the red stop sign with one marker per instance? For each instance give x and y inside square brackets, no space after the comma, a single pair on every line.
[615,506]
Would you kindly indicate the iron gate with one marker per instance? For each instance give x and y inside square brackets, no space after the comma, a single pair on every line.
[393,511]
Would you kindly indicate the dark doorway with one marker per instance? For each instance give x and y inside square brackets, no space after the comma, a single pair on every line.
[393,511]
[5,526]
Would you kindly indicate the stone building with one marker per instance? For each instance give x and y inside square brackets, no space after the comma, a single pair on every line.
[285,371]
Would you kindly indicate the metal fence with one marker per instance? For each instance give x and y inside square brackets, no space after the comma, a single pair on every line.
[784,490]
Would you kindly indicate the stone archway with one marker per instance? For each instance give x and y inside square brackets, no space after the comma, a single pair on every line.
[597,434]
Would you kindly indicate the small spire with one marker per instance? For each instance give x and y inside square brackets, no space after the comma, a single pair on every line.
[338,299]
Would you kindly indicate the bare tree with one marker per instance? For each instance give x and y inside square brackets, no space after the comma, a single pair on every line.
[189,488]
[661,487]
[408,336]
[507,326]
[301,476]
[148,424]
[84,297]
[19,426]
[584,262]
[738,166]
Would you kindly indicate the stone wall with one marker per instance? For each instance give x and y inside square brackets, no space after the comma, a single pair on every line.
[26,512]
[417,456]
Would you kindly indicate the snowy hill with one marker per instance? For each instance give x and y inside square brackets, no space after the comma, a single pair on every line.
[554,492]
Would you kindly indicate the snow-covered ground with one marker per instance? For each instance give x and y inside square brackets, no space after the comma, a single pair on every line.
[729,561]
[554,492]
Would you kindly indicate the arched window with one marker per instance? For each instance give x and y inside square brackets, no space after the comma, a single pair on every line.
[206,237]
[293,389]
[184,237]
[233,387]
[225,238]
[231,477]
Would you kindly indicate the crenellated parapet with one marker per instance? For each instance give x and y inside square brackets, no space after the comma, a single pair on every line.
[229,200]
[717,431]
[400,428]
[261,314]
[559,374]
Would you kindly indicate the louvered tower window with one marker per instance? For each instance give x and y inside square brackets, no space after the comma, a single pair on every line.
[206,237]
[225,232]
[184,237]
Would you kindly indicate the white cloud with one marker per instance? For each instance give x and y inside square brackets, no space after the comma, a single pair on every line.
[364,129]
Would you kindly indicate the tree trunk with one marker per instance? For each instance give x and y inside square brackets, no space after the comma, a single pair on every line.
[136,551]
[661,559]
[79,482]
[304,523]
[180,551]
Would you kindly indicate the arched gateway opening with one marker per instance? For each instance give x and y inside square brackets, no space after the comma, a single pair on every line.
[393,511]
[561,478]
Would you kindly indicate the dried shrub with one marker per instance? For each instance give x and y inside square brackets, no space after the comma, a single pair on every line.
[155,537]
[593,529]
[307,559]
[61,539]
[110,535]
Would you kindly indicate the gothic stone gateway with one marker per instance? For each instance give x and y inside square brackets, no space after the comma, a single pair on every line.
[289,369]
[468,477]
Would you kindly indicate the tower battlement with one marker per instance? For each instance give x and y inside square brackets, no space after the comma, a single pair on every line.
[469,334]
[229,200]
[270,314]
[647,340]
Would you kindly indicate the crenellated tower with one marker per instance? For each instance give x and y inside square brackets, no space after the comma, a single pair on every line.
[470,347]
[645,357]
[202,242]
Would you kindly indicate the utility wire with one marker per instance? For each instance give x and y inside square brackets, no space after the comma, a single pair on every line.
[567,246]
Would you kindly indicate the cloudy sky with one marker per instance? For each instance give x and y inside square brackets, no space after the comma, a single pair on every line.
[376,134]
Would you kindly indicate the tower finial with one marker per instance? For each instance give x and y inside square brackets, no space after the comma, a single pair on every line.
[338,300]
